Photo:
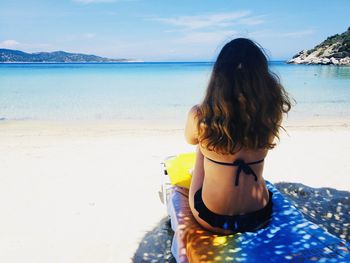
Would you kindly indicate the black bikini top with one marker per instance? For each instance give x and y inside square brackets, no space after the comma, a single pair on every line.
[242,166]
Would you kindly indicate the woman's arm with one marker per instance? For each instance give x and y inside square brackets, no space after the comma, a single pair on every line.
[197,175]
[191,133]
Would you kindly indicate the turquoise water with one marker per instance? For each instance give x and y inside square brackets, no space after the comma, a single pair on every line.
[150,91]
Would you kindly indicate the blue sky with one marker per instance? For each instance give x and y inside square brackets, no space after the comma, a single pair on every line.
[164,30]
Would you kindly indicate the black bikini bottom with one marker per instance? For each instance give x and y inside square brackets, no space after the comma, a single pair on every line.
[237,223]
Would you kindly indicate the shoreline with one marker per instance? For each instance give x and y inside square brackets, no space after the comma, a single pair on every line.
[315,153]
[165,124]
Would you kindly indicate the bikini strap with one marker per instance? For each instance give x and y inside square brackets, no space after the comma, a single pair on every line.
[242,166]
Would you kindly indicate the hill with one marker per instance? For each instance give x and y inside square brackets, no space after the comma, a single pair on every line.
[9,55]
[334,50]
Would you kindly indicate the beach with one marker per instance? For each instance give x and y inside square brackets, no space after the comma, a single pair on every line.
[94,98]
[88,191]
[81,147]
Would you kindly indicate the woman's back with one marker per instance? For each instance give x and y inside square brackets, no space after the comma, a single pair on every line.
[220,192]
[234,127]
[215,175]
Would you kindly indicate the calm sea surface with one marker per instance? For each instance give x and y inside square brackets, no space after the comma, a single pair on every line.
[150,92]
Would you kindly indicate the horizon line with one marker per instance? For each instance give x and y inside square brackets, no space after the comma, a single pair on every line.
[126,62]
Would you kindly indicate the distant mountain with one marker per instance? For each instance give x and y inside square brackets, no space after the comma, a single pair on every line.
[9,55]
[334,50]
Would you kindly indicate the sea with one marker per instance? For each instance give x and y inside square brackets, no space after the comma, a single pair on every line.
[151,92]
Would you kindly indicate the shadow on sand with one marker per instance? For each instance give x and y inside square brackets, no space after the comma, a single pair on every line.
[156,244]
[326,207]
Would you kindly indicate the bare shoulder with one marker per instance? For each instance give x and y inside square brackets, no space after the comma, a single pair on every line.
[191,126]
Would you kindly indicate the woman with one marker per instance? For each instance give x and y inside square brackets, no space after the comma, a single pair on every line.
[234,127]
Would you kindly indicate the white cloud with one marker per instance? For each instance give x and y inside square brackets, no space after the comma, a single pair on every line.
[10,43]
[27,47]
[209,28]
[269,33]
[252,21]
[39,47]
[211,20]
[212,37]
[94,1]
[298,34]
[89,35]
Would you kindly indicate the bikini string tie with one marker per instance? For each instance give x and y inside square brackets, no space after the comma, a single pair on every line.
[243,166]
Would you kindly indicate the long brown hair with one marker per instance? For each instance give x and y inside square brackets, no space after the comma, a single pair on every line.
[244,101]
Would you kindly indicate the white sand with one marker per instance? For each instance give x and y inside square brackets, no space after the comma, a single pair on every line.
[88,192]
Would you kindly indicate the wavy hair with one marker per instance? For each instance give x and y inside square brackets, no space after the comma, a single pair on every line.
[244,101]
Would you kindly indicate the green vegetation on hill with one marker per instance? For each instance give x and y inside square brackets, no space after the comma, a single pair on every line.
[8,55]
[341,44]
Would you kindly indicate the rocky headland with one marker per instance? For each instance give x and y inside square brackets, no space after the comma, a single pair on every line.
[335,50]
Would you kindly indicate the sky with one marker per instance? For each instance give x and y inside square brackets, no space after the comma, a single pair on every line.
[165,30]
